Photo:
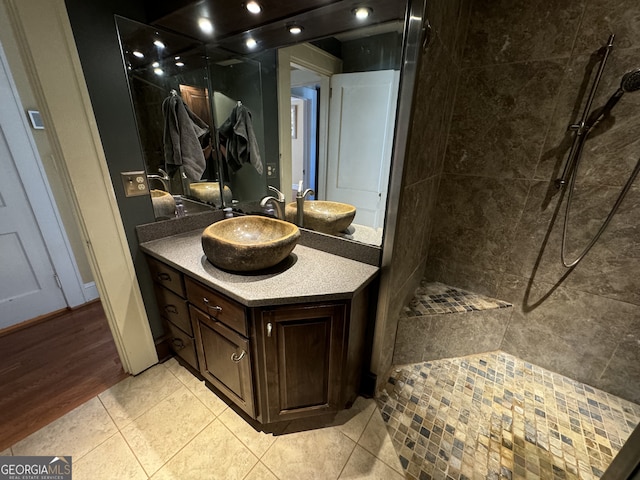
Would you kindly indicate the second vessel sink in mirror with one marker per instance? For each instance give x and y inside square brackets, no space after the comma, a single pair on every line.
[209,192]
[249,243]
[323,216]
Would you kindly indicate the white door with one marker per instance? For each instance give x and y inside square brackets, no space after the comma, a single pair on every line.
[28,285]
[362,116]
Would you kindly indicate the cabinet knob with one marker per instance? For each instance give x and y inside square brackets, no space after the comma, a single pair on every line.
[269,329]
[178,344]
[164,277]
[237,358]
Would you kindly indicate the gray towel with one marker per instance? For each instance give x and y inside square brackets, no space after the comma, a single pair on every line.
[242,145]
[183,132]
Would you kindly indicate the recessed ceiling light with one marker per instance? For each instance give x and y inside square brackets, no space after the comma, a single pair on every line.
[138,54]
[253,7]
[295,29]
[158,71]
[155,64]
[176,58]
[362,12]
[251,43]
[158,44]
[179,64]
[205,25]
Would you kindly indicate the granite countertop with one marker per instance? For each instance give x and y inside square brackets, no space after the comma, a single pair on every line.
[307,275]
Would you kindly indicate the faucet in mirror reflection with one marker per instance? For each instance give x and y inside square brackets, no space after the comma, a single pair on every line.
[274,205]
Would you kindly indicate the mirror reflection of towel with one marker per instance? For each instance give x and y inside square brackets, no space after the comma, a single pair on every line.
[242,145]
[183,133]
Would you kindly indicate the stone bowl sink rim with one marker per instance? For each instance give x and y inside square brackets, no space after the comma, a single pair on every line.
[324,216]
[320,206]
[248,251]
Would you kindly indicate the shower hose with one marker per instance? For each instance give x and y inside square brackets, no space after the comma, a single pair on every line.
[582,129]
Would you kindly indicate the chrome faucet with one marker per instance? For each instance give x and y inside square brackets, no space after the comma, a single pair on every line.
[300,197]
[162,178]
[277,202]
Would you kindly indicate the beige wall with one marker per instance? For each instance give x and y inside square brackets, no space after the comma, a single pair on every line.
[46,45]
[60,193]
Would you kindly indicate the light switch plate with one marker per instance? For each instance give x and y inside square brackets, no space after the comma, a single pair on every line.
[135,183]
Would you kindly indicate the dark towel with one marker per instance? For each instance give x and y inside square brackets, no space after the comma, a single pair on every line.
[242,145]
[183,132]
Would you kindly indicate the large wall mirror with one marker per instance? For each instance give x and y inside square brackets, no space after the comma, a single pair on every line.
[314,114]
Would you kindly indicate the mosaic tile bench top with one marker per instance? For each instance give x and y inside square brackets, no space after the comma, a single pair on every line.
[435,298]
[493,416]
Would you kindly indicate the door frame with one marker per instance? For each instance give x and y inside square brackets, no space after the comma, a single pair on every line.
[307,57]
[43,35]
[38,191]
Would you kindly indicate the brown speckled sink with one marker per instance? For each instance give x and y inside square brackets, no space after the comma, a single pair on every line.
[249,243]
[323,216]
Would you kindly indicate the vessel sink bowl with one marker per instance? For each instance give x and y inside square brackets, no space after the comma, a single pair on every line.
[209,192]
[163,204]
[323,216]
[249,243]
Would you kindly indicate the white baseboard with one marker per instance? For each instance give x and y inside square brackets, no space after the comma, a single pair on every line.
[90,291]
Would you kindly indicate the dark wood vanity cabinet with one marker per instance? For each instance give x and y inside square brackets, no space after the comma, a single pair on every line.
[276,363]
[172,304]
[301,351]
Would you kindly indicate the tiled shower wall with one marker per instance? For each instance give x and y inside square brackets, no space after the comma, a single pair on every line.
[524,73]
[435,90]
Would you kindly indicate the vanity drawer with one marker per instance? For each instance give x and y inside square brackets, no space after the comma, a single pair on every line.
[166,276]
[173,308]
[183,345]
[217,306]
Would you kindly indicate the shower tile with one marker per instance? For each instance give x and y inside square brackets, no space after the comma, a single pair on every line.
[603,17]
[412,229]
[623,370]
[535,250]
[500,118]
[472,332]
[442,321]
[434,297]
[494,415]
[565,320]
[433,104]
[611,150]
[473,232]
[463,274]
[507,31]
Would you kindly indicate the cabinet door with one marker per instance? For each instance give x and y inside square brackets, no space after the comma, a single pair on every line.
[303,350]
[225,359]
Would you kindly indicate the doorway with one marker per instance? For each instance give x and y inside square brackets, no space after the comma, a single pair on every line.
[39,274]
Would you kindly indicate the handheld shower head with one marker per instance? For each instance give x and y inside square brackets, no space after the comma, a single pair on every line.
[630,83]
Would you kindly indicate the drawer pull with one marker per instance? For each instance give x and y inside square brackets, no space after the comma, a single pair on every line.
[178,344]
[269,329]
[216,308]
[171,309]
[237,358]
[164,277]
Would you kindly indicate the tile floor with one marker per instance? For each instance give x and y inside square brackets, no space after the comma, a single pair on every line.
[165,424]
[493,416]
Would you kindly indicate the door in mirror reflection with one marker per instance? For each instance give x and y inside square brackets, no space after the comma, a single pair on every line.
[361,122]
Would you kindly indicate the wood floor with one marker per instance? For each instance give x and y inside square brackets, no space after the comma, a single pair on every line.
[52,366]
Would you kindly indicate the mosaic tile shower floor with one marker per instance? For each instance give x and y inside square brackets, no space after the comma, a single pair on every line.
[493,416]
[435,298]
